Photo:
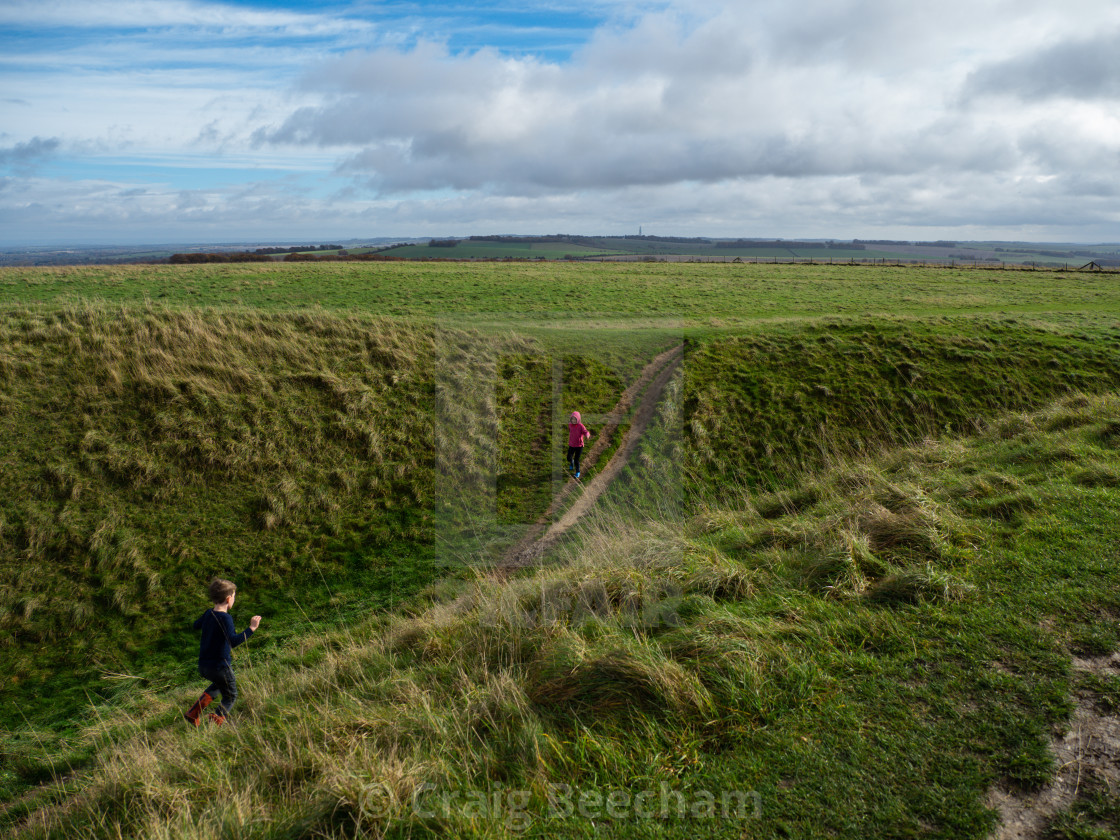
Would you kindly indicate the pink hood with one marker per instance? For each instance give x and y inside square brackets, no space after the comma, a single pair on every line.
[575,416]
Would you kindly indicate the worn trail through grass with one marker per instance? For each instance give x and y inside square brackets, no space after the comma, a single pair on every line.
[650,385]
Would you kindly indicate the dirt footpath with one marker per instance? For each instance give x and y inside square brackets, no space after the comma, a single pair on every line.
[538,540]
[1085,755]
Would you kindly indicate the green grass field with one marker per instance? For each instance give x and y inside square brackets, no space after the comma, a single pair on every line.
[838,591]
[660,249]
[579,297]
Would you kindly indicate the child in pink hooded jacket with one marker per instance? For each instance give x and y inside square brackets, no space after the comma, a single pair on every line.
[577,436]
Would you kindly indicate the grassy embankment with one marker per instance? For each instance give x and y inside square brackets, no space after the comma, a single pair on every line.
[867,666]
[789,667]
[763,406]
[148,450]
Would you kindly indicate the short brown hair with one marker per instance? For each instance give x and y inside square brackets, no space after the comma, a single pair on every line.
[220,589]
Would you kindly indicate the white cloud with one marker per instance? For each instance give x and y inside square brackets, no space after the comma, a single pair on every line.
[37,210]
[814,117]
[154,14]
[817,91]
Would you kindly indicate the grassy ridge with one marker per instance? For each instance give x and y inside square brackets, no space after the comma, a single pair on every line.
[147,450]
[762,407]
[867,666]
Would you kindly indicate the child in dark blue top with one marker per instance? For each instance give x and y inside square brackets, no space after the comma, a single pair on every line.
[214,651]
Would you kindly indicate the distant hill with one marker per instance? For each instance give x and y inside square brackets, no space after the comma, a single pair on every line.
[581,247]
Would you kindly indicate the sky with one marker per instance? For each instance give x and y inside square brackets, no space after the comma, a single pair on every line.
[168,121]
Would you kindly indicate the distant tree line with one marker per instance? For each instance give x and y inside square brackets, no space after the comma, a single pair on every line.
[343,257]
[297,248]
[220,257]
[782,243]
[590,241]
[694,240]
[940,243]
[259,255]
[521,240]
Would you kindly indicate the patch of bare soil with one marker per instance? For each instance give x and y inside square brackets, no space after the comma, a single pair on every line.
[544,533]
[1089,752]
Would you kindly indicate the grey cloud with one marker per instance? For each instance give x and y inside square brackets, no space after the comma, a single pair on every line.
[1052,147]
[1081,186]
[24,156]
[209,134]
[1086,69]
[673,100]
[567,157]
